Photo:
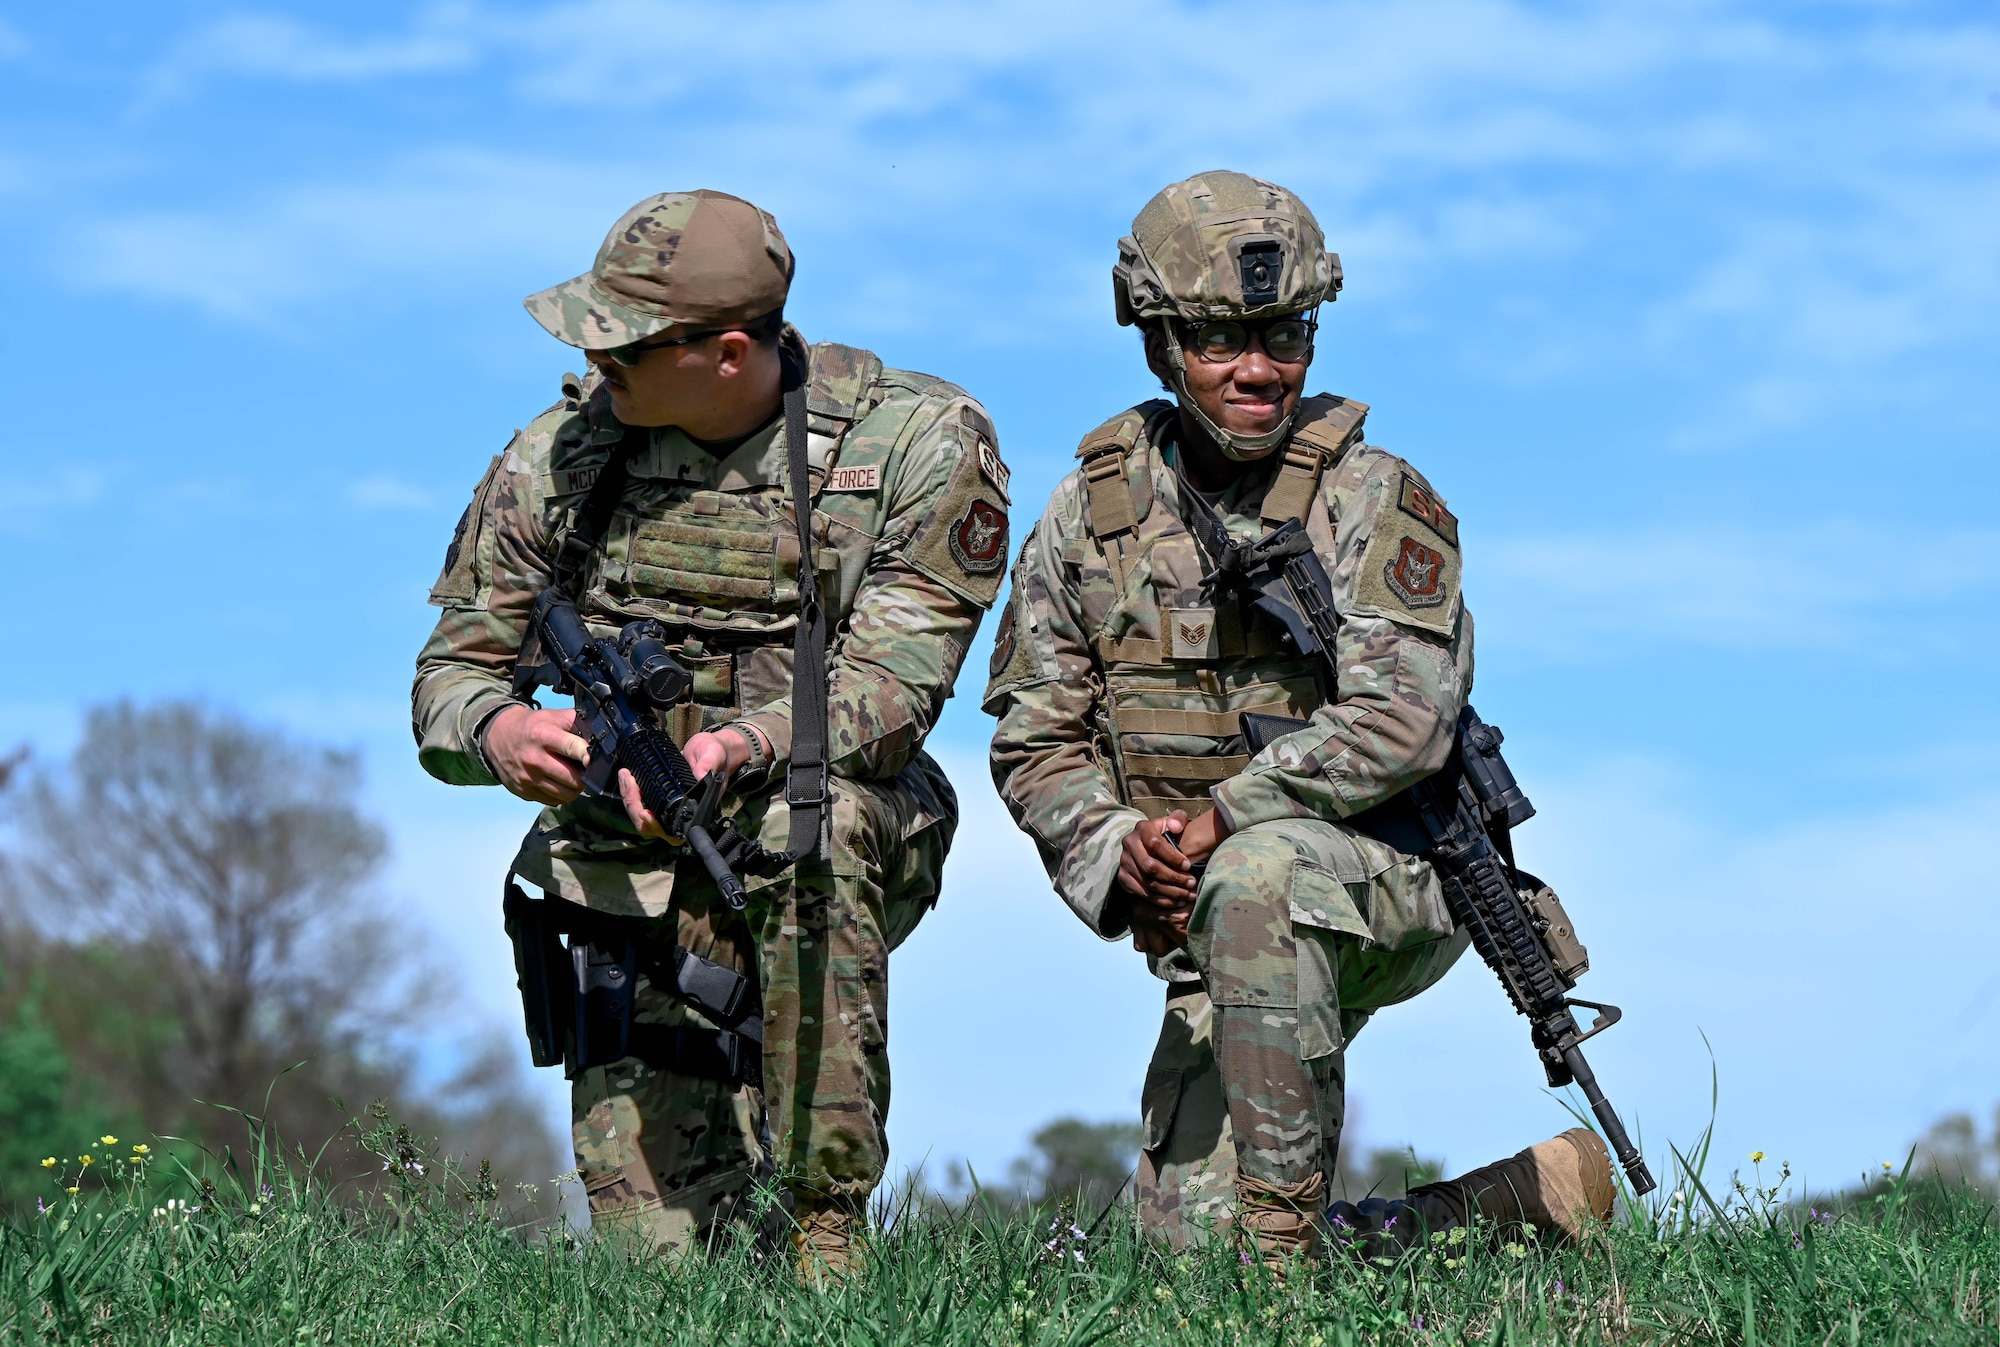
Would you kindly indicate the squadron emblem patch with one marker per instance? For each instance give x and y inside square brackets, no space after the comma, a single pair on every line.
[1416,575]
[978,541]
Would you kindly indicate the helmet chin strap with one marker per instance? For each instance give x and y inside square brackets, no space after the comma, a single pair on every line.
[1241,448]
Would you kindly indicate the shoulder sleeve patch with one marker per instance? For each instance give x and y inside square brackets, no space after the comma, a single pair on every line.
[457,583]
[1411,569]
[1014,664]
[962,544]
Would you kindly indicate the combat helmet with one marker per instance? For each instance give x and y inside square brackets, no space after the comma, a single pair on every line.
[1215,246]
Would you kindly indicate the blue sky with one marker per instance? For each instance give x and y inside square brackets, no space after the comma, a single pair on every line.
[1691,310]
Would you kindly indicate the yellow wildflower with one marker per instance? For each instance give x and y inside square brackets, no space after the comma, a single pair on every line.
[136,1159]
[141,1148]
[70,1190]
[87,1159]
[1756,1157]
[109,1141]
[49,1163]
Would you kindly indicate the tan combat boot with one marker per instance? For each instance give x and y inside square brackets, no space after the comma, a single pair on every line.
[1278,1222]
[827,1237]
[1560,1186]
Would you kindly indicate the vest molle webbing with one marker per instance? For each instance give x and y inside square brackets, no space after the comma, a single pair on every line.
[1174,701]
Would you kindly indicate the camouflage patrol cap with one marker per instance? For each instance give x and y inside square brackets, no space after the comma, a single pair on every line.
[1222,245]
[705,259]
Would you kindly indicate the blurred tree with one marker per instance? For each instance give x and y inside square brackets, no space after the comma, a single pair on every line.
[1383,1171]
[194,896]
[40,1111]
[1090,1161]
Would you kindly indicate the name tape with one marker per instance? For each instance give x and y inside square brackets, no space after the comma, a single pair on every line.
[855,479]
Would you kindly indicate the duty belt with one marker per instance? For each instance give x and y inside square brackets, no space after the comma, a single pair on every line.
[579,998]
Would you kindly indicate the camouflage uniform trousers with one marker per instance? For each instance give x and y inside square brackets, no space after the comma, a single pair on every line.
[1301,931]
[667,1158]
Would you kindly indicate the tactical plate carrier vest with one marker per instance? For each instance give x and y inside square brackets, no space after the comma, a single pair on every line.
[1180,668]
[718,567]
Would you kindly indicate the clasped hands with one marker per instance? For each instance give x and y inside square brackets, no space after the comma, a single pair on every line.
[1156,875]
[539,756]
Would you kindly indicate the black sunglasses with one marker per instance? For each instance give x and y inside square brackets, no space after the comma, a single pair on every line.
[632,353]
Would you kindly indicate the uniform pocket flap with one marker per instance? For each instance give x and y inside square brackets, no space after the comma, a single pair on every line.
[1320,898]
[1158,1101]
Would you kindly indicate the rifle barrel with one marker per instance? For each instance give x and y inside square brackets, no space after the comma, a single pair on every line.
[1607,1118]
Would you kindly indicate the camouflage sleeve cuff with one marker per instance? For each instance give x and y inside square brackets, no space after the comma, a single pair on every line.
[457,756]
[1253,798]
[774,722]
[1090,874]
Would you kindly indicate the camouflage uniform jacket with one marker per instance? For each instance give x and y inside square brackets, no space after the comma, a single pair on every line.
[910,543]
[1119,682]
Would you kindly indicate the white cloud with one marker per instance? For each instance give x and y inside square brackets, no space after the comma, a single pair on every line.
[1766,590]
[382,491]
[280,47]
[1775,208]
[430,220]
[40,499]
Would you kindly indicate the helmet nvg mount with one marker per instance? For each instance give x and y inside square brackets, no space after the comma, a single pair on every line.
[1222,245]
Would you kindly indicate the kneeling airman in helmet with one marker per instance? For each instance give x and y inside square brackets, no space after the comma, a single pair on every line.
[1128,679]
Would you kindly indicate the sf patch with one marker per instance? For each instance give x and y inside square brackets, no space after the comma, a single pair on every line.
[1419,501]
[1416,574]
[978,541]
[1410,571]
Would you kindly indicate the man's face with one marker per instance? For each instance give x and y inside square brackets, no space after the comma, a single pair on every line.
[1247,395]
[675,385]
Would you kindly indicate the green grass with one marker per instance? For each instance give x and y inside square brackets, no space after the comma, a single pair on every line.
[270,1257]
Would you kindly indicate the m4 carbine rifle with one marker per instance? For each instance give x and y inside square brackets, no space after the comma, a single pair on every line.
[578,999]
[614,684]
[1460,818]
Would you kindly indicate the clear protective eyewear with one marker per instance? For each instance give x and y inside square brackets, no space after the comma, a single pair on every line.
[1286,339]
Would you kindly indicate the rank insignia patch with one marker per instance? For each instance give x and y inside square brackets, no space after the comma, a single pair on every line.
[1192,633]
[1416,575]
[1420,501]
[978,541]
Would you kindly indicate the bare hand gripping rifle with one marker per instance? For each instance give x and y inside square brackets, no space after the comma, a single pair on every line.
[578,997]
[614,683]
[1460,819]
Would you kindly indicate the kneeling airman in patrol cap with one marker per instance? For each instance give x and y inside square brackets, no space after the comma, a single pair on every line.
[664,486]
[1122,677]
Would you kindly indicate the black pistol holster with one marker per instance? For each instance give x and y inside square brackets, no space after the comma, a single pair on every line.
[578,997]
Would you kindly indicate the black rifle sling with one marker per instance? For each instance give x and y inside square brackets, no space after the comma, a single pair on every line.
[571,564]
[572,561]
[806,784]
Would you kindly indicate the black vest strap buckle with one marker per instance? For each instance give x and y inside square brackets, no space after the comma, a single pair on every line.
[808,785]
